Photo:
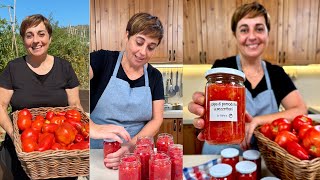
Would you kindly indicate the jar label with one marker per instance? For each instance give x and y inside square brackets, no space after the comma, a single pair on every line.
[223,111]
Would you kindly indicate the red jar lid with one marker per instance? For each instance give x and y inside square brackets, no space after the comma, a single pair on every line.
[251,155]
[220,170]
[229,153]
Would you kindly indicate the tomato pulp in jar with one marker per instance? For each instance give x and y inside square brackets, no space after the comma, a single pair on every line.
[110,146]
[144,151]
[230,156]
[130,167]
[246,170]
[175,153]
[163,142]
[145,140]
[160,166]
[224,106]
[221,172]
[254,156]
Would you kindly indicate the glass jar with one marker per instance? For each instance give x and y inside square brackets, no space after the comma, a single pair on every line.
[144,151]
[175,153]
[246,170]
[145,140]
[221,172]
[163,142]
[160,166]
[224,106]
[110,146]
[230,156]
[254,156]
[129,167]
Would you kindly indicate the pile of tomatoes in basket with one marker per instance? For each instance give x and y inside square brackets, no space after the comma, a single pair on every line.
[299,137]
[56,131]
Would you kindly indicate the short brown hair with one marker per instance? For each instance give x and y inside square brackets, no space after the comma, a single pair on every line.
[252,10]
[145,24]
[34,20]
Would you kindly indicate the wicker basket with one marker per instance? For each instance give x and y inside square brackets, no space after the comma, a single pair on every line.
[284,165]
[51,163]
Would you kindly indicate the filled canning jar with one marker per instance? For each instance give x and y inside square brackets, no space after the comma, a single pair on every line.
[224,106]
[130,167]
[110,146]
[254,156]
[160,166]
[144,151]
[221,172]
[230,156]
[163,142]
[246,170]
[175,153]
[145,140]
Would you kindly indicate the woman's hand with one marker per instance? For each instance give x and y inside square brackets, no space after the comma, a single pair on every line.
[108,131]
[249,128]
[196,106]
[113,159]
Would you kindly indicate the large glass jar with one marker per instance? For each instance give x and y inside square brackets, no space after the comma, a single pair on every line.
[163,142]
[175,153]
[110,146]
[230,156]
[221,172]
[224,106]
[146,140]
[254,156]
[246,170]
[130,167]
[160,167]
[144,151]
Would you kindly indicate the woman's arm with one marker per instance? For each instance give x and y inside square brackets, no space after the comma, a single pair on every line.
[90,72]
[5,121]
[73,97]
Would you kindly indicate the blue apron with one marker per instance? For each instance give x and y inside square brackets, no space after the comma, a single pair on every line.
[122,105]
[264,103]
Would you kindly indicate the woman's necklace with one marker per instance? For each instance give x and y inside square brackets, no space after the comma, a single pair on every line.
[254,73]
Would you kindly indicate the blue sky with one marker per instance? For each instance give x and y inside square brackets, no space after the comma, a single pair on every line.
[67,12]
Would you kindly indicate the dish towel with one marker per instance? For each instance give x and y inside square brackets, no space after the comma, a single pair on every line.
[200,172]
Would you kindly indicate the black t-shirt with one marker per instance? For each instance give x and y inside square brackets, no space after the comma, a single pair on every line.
[31,90]
[103,63]
[281,83]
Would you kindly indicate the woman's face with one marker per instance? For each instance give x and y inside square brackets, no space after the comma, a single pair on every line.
[252,36]
[140,48]
[36,40]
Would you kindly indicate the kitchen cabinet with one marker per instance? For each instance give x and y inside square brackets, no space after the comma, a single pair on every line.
[172,126]
[191,144]
[108,20]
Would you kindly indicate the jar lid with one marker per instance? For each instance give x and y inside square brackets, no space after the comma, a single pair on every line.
[109,140]
[246,167]
[229,153]
[225,71]
[251,154]
[220,170]
[270,178]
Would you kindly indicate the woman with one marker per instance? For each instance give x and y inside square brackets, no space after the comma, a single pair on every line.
[124,89]
[267,85]
[35,80]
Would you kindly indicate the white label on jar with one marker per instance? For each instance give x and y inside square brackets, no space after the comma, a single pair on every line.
[223,111]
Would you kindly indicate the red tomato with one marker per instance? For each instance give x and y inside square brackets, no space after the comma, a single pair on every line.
[57,146]
[57,119]
[50,128]
[302,130]
[30,133]
[37,124]
[284,137]
[39,117]
[29,145]
[301,120]
[266,131]
[24,122]
[62,113]
[311,141]
[46,142]
[78,138]
[65,134]
[25,112]
[73,114]
[81,145]
[279,125]
[297,150]
[49,115]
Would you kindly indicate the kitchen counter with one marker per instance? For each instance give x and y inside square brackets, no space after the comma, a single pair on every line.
[173,114]
[99,171]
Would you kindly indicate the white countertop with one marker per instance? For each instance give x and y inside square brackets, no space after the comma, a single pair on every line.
[98,171]
[173,114]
